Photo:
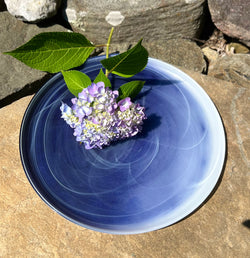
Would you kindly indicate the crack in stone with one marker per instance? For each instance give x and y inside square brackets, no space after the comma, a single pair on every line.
[233,108]
[245,76]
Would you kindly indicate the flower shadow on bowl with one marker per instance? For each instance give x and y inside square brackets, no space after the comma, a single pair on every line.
[151,123]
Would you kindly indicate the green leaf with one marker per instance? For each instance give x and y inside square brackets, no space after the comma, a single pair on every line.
[54,51]
[76,81]
[128,63]
[101,77]
[130,89]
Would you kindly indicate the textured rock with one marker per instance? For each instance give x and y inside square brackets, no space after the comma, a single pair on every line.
[179,52]
[234,68]
[232,17]
[28,228]
[33,10]
[238,48]
[14,75]
[211,54]
[151,20]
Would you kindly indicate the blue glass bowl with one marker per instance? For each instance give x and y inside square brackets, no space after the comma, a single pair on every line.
[133,186]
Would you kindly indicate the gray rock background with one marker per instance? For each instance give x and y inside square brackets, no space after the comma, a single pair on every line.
[232,17]
[32,10]
[14,75]
[169,30]
[152,19]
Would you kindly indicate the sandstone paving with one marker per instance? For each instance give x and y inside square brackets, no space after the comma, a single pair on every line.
[29,228]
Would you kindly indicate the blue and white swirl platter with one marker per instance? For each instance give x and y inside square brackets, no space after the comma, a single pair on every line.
[133,186]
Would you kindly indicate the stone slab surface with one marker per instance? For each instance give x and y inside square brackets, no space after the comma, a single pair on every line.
[29,228]
[234,68]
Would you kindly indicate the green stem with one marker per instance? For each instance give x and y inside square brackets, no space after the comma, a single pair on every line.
[107,50]
[103,45]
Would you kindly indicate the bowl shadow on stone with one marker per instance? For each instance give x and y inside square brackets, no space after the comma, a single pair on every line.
[246,223]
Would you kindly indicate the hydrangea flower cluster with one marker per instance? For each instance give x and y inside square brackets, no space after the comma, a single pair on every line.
[98,119]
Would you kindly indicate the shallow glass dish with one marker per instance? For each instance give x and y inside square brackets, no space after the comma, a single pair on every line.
[133,186]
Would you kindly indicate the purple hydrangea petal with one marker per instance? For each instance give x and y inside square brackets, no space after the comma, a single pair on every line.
[97,119]
[66,109]
[87,146]
[83,95]
[74,101]
[93,90]
[101,87]
[87,110]
[96,89]
[100,106]
[75,107]
[124,104]
[68,115]
[102,99]
[115,94]
[111,109]
[78,131]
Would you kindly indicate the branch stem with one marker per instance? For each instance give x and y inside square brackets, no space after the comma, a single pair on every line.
[107,49]
[103,45]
